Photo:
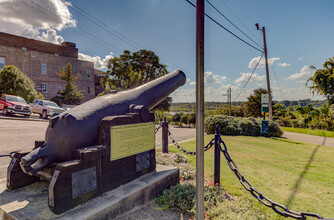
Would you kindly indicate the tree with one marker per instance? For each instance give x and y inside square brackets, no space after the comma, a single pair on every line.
[323,80]
[14,82]
[131,70]
[70,95]
[253,104]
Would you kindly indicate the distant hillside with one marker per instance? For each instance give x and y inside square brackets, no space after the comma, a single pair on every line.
[190,106]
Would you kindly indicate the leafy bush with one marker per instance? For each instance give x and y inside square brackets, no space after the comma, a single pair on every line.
[184,119]
[249,127]
[239,126]
[180,198]
[274,130]
[227,125]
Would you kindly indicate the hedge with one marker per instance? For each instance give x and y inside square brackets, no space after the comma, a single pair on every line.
[229,125]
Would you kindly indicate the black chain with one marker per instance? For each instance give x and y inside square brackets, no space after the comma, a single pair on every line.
[11,154]
[278,208]
[157,128]
[193,153]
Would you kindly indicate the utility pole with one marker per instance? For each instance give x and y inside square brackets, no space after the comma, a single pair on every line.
[267,68]
[200,109]
[229,100]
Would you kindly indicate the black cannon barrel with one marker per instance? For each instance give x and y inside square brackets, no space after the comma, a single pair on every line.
[79,127]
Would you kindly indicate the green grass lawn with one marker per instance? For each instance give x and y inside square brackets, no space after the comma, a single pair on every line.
[297,175]
[316,132]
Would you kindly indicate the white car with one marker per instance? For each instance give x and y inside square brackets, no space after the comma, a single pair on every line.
[45,108]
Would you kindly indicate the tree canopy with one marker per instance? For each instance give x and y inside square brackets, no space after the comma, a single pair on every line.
[14,82]
[323,80]
[130,70]
[70,95]
[253,104]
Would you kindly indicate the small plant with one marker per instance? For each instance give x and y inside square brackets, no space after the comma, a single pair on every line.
[180,198]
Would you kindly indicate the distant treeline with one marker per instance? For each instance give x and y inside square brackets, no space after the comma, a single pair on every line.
[190,106]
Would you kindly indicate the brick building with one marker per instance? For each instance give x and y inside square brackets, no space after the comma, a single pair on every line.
[41,61]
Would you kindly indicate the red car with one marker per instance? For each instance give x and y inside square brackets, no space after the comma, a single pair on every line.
[10,104]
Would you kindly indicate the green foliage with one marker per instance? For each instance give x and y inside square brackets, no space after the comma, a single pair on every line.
[177,117]
[253,104]
[70,95]
[14,82]
[192,118]
[131,70]
[180,198]
[323,81]
[229,125]
[249,127]
[184,119]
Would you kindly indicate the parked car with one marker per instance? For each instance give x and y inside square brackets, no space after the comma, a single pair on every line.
[11,104]
[45,108]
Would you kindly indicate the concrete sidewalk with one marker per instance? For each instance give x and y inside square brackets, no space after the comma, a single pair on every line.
[311,139]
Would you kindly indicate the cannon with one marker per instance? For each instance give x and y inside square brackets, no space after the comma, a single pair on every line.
[79,126]
[80,156]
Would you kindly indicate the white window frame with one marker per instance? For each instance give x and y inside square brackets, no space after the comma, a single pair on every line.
[46,68]
[2,61]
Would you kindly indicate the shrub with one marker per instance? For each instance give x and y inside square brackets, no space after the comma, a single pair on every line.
[249,127]
[184,119]
[192,119]
[227,125]
[238,126]
[274,130]
[180,198]
[176,117]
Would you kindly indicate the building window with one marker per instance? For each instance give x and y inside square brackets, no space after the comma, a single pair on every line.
[88,73]
[44,87]
[2,62]
[44,68]
[88,90]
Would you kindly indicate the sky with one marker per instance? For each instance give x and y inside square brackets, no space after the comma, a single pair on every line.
[299,33]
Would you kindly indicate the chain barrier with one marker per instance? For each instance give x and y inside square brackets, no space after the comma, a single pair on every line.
[157,128]
[193,153]
[278,208]
[11,154]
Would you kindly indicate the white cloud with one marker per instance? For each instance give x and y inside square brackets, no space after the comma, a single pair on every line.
[51,36]
[192,83]
[209,77]
[32,18]
[245,76]
[303,73]
[99,63]
[284,64]
[299,58]
[262,63]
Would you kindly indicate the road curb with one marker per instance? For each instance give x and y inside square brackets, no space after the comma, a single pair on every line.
[23,119]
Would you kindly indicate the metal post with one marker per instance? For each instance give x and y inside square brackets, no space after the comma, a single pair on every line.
[200,109]
[164,135]
[216,172]
[267,72]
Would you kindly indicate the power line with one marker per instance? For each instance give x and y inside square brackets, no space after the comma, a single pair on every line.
[249,78]
[111,31]
[222,1]
[227,29]
[105,27]
[232,23]
[279,87]
[84,31]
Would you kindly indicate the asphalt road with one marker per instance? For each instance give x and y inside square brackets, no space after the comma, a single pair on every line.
[20,133]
